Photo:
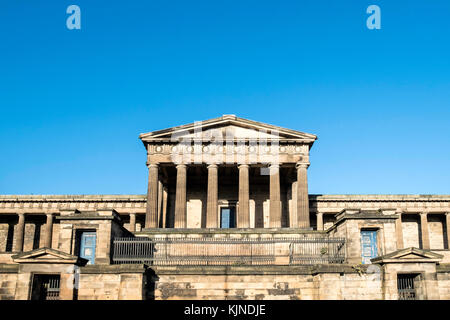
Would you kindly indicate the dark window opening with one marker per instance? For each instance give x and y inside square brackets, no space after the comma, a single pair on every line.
[406,285]
[45,287]
[10,238]
[37,235]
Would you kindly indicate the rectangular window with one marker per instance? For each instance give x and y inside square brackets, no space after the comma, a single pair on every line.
[87,246]
[10,238]
[406,285]
[369,245]
[45,287]
[227,217]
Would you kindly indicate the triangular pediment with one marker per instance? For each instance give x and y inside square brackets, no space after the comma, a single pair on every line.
[409,255]
[228,127]
[47,255]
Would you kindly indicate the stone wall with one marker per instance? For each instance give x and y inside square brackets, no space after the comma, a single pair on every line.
[427,287]
[258,283]
[116,282]
[321,282]
[8,281]
[443,281]
[16,280]
[5,257]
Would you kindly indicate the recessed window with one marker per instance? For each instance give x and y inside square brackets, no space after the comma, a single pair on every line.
[227,217]
[87,241]
[45,287]
[407,285]
[369,245]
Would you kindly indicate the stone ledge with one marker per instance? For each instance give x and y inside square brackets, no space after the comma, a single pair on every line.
[67,198]
[86,217]
[361,216]
[252,270]
[190,231]
[333,268]
[312,197]
[113,269]
[379,197]
[9,268]
[445,267]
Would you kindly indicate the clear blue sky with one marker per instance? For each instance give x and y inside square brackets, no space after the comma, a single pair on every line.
[73,102]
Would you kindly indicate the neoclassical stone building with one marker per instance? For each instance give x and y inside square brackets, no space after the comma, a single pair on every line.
[227,215]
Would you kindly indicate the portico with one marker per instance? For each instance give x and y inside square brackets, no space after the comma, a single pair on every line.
[227,164]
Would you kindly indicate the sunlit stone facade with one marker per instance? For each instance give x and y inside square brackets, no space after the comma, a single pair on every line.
[227,215]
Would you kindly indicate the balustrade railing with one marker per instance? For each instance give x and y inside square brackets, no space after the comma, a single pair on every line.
[226,251]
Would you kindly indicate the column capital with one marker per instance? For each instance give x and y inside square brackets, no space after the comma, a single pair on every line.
[424,213]
[212,166]
[243,165]
[152,165]
[274,165]
[302,165]
[181,165]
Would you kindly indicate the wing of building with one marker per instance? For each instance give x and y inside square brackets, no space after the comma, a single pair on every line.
[227,215]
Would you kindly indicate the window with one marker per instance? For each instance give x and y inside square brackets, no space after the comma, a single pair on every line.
[369,246]
[406,285]
[227,217]
[45,287]
[87,245]
[10,238]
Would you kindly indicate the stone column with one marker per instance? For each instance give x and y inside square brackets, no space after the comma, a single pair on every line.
[319,217]
[275,203]
[132,222]
[20,233]
[302,196]
[164,209]
[447,225]
[48,231]
[424,229]
[180,199]
[243,219]
[293,221]
[212,197]
[151,216]
[160,203]
[399,231]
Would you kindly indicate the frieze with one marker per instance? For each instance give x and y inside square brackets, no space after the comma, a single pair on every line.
[248,147]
